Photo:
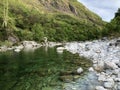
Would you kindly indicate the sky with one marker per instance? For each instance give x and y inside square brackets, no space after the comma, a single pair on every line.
[104,8]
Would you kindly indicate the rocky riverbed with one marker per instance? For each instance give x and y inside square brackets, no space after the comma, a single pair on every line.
[105,73]
[105,55]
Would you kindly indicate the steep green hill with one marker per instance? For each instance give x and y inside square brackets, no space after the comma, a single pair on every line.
[58,20]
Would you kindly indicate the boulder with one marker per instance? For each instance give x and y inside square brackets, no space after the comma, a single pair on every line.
[110,65]
[99,66]
[118,86]
[117,79]
[109,83]
[116,61]
[3,48]
[30,44]
[100,88]
[116,71]
[60,49]
[101,78]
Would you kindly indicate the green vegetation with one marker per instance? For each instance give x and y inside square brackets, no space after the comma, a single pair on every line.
[62,21]
[113,28]
[39,70]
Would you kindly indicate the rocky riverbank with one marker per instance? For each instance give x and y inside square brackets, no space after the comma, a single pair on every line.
[27,45]
[105,55]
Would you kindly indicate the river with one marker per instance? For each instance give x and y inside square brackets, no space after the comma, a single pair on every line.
[38,69]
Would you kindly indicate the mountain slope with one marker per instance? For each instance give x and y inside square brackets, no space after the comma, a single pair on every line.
[59,20]
[113,28]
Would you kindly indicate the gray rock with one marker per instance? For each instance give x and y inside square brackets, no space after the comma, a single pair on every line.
[99,66]
[100,88]
[118,86]
[116,71]
[101,78]
[110,65]
[3,48]
[117,79]
[13,39]
[109,83]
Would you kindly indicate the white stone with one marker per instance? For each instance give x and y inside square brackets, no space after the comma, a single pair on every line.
[20,47]
[109,83]
[79,70]
[118,86]
[91,69]
[117,79]
[110,65]
[116,61]
[101,78]
[116,71]
[30,44]
[118,75]
[100,88]
[99,66]
[3,48]
[60,49]
[17,50]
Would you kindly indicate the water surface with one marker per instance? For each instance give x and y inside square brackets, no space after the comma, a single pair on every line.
[38,69]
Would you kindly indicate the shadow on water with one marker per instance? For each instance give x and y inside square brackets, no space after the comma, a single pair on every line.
[39,69]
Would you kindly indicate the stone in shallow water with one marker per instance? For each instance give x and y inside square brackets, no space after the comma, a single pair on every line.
[91,69]
[67,78]
[79,70]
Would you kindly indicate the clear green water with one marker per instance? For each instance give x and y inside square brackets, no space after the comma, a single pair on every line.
[38,70]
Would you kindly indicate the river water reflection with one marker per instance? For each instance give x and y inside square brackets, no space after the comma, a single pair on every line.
[37,69]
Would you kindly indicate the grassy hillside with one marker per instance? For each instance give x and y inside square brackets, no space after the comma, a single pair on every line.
[58,20]
[112,29]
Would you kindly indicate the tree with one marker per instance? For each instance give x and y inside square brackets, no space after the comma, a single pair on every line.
[5,14]
[118,13]
[38,32]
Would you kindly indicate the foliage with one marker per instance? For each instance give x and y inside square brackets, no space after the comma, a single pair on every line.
[113,28]
[29,22]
